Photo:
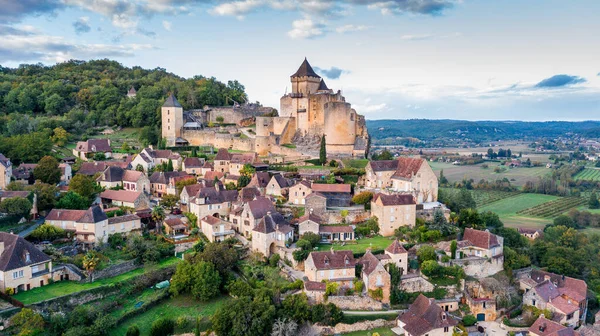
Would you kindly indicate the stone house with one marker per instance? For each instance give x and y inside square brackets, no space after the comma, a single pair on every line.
[315,291]
[329,233]
[545,327]
[278,186]
[260,180]
[248,194]
[163,183]
[393,211]
[405,175]
[566,297]
[149,158]
[230,178]
[193,165]
[271,233]
[398,255]
[214,176]
[481,301]
[425,318]
[298,192]
[238,161]
[246,218]
[188,192]
[222,160]
[216,229]
[213,201]
[309,223]
[5,171]
[131,180]
[87,149]
[175,226]
[22,265]
[92,226]
[131,199]
[479,253]
[337,195]
[375,276]
[531,234]
[316,203]
[334,266]
[24,173]
[207,167]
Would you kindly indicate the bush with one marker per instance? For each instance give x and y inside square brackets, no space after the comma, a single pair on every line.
[469,320]
[274,260]
[162,327]
[47,232]
[133,331]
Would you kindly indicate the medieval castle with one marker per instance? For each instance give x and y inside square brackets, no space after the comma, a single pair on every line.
[306,113]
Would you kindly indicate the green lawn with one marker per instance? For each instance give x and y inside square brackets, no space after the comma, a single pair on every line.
[381,331]
[173,308]
[376,243]
[61,288]
[356,163]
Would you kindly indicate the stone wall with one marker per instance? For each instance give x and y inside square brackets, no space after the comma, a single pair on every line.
[355,302]
[415,283]
[354,216]
[343,328]
[479,267]
[115,270]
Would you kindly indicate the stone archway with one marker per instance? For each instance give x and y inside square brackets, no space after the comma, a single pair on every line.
[272,249]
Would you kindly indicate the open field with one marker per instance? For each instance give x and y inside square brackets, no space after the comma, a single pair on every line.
[516,176]
[588,174]
[553,208]
[173,308]
[507,210]
[61,288]
[376,243]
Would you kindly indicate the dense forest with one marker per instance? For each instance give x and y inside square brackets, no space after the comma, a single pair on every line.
[477,130]
[76,96]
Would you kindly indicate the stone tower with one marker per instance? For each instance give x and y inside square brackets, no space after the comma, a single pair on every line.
[172,120]
[305,80]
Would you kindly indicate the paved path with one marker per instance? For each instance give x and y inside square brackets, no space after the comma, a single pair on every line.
[26,232]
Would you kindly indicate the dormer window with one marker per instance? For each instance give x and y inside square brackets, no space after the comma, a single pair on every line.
[443,316]
[27,257]
[326,261]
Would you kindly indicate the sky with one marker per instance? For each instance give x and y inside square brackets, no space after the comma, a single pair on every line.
[392,59]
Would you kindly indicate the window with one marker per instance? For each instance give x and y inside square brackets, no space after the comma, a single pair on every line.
[322,274]
[392,210]
[85,226]
[379,282]
[122,226]
[445,329]
[27,257]
[18,274]
[392,219]
[168,112]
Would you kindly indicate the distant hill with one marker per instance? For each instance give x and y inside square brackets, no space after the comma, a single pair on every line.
[388,131]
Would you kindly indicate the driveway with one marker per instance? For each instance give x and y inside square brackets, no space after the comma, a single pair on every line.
[493,328]
[26,232]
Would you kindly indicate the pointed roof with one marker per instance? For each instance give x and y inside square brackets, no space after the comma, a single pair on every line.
[132,90]
[396,248]
[323,86]
[171,101]
[305,70]
[15,253]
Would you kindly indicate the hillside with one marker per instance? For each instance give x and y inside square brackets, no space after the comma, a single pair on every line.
[388,131]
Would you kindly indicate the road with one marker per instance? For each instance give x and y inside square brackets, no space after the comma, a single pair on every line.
[26,232]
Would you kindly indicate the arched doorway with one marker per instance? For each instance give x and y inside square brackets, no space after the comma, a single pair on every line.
[272,249]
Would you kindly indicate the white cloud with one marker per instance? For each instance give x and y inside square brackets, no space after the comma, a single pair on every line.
[124,21]
[306,28]
[416,37]
[167,25]
[351,28]
[237,8]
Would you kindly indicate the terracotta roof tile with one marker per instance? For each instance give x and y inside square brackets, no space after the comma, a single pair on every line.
[424,315]
[121,195]
[481,239]
[336,228]
[544,327]
[396,248]
[223,155]
[407,167]
[121,219]
[193,162]
[328,188]
[93,146]
[314,286]
[333,259]
[395,199]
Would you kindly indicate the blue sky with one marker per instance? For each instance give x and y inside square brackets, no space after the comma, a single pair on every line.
[459,59]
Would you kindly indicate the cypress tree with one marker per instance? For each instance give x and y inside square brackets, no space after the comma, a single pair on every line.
[323,152]
[170,166]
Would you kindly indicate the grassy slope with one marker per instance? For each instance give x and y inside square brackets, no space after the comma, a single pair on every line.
[458,173]
[508,207]
[173,308]
[376,243]
[61,288]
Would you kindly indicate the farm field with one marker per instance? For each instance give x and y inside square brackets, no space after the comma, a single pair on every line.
[517,176]
[485,197]
[507,210]
[588,174]
[553,208]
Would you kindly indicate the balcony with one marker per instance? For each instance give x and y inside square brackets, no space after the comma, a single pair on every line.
[223,233]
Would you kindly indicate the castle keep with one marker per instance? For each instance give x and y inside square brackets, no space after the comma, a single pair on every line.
[310,110]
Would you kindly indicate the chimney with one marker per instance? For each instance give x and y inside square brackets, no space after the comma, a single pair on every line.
[268,213]
[1,248]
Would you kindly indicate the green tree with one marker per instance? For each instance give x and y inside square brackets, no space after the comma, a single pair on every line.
[47,170]
[431,268]
[169,201]
[426,252]
[170,165]
[243,181]
[46,194]
[60,136]
[27,322]
[90,263]
[220,119]
[443,180]
[47,232]
[248,170]
[323,151]
[15,206]
[593,202]
[244,316]
[207,281]
[453,246]
[72,200]
[125,147]
[223,256]
[133,330]
[162,327]
[84,186]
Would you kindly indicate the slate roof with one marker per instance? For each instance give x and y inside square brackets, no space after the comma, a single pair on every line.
[424,315]
[121,219]
[305,70]
[132,175]
[223,155]
[121,195]
[574,288]
[94,145]
[193,189]
[328,188]
[369,262]
[171,101]
[394,199]
[260,207]
[213,196]
[93,215]
[271,222]
[396,248]
[304,183]
[91,168]
[164,177]
[384,165]
[260,179]
[243,158]
[192,162]
[4,161]
[407,167]
[211,220]
[323,86]
[282,181]
[65,215]
[247,194]
[544,327]
[112,174]
[333,259]
[175,223]
[15,252]
[482,239]
[10,194]
[132,91]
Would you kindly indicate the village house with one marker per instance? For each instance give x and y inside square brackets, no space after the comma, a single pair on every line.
[87,149]
[22,265]
[375,277]
[315,291]
[248,194]
[92,226]
[163,183]
[96,167]
[188,192]
[24,173]
[132,180]
[271,233]
[149,158]
[425,318]
[298,192]
[193,165]
[566,297]
[222,160]
[337,195]
[278,186]
[131,93]
[216,229]
[404,175]
[531,234]
[246,218]
[481,299]
[329,233]
[260,180]
[393,211]
[480,253]
[230,178]
[176,226]
[238,161]
[5,194]
[206,167]
[5,171]
[334,266]
[213,201]
[545,327]
[132,199]
[398,255]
